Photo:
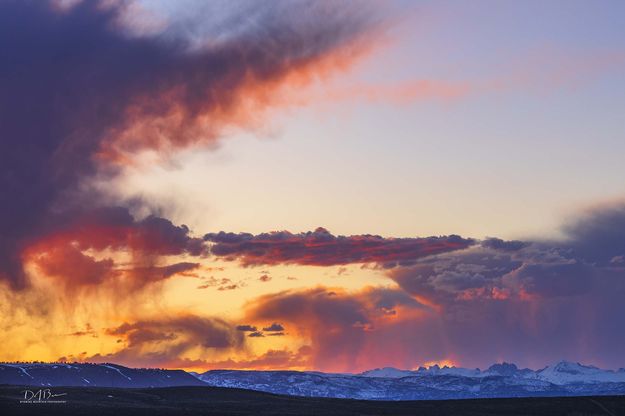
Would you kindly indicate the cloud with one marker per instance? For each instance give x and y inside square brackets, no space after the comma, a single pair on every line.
[321,248]
[499,244]
[63,254]
[247,328]
[529,302]
[70,264]
[346,331]
[274,327]
[167,342]
[532,302]
[598,235]
[83,94]
[73,269]
[221,284]
[205,332]
[549,280]
[87,331]
[156,273]
[228,287]
[270,360]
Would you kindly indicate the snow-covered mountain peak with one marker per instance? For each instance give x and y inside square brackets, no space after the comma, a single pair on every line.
[566,372]
[502,369]
[573,368]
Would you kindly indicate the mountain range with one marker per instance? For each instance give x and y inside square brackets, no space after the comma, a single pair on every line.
[499,380]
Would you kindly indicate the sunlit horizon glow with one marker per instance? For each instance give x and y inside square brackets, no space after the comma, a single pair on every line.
[312,186]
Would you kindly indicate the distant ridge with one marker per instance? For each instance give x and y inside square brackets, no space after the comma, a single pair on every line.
[563,372]
[499,380]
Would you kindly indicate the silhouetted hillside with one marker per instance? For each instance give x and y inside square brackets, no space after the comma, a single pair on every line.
[224,401]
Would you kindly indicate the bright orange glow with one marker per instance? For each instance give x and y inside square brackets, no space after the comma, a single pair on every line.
[440,363]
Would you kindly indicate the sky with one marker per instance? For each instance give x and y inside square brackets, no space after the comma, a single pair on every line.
[332,186]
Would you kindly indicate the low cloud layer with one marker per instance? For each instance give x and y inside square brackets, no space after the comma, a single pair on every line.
[321,248]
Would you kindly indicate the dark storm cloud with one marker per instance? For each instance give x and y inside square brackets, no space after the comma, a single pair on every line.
[499,244]
[599,235]
[274,327]
[321,248]
[144,275]
[536,303]
[116,229]
[81,95]
[548,280]
[247,328]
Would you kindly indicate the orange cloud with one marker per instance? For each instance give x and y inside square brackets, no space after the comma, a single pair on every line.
[283,359]
[233,83]
[69,254]
[349,331]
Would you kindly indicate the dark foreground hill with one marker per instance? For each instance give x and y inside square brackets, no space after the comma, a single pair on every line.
[224,401]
